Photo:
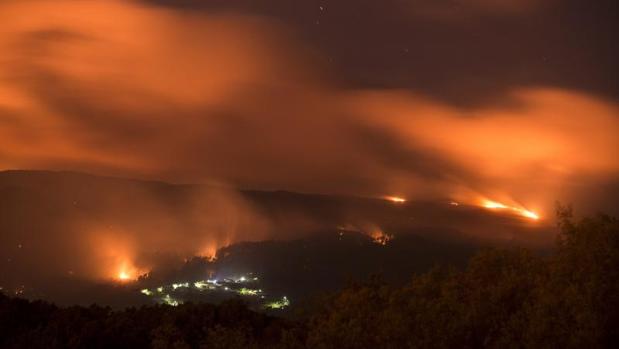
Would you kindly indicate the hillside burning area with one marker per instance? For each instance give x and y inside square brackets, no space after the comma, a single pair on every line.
[260,171]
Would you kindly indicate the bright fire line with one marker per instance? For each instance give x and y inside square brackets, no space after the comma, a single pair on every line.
[395,199]
[493,205]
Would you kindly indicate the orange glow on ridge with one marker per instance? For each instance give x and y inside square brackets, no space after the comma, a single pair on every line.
[493,205]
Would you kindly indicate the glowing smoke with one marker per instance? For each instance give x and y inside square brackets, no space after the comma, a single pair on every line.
[122,88]
[239,104]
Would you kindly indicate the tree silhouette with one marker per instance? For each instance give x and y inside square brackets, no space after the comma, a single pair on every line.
[504,298]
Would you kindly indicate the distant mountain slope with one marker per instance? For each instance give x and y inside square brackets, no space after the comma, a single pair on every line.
[82,228]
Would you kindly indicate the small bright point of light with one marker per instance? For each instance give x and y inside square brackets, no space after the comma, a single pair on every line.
[395,199]
[453,203]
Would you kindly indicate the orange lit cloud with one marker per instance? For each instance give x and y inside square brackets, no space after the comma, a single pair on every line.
[123,88]
[544,142]
[135,242]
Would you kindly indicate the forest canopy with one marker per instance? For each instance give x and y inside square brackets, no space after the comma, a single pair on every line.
[503,298]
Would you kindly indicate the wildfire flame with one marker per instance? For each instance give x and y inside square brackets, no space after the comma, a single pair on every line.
[493,205]
[377,235]
[210,253]
[395,199]
[123,276]
[529,214]
[209,250]
[128,272]
[380,237]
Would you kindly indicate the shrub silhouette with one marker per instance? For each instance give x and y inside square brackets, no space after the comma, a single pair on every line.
[504,298]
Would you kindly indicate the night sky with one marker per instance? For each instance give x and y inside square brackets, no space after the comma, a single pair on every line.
[508,100]
[464,52]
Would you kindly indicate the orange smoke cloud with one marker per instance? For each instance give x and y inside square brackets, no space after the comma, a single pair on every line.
[133,243]
[97,84]
[529,151]
[115,256]
[122,88]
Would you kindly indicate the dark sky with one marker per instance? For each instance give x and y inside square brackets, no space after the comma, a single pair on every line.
[465,52]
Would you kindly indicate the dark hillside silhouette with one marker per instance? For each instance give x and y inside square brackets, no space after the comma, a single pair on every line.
[504,298]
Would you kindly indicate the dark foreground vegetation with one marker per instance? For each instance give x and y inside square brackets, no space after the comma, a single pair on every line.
[503,299]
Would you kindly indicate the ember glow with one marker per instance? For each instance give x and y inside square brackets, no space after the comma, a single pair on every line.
[380,237]
[376,234]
